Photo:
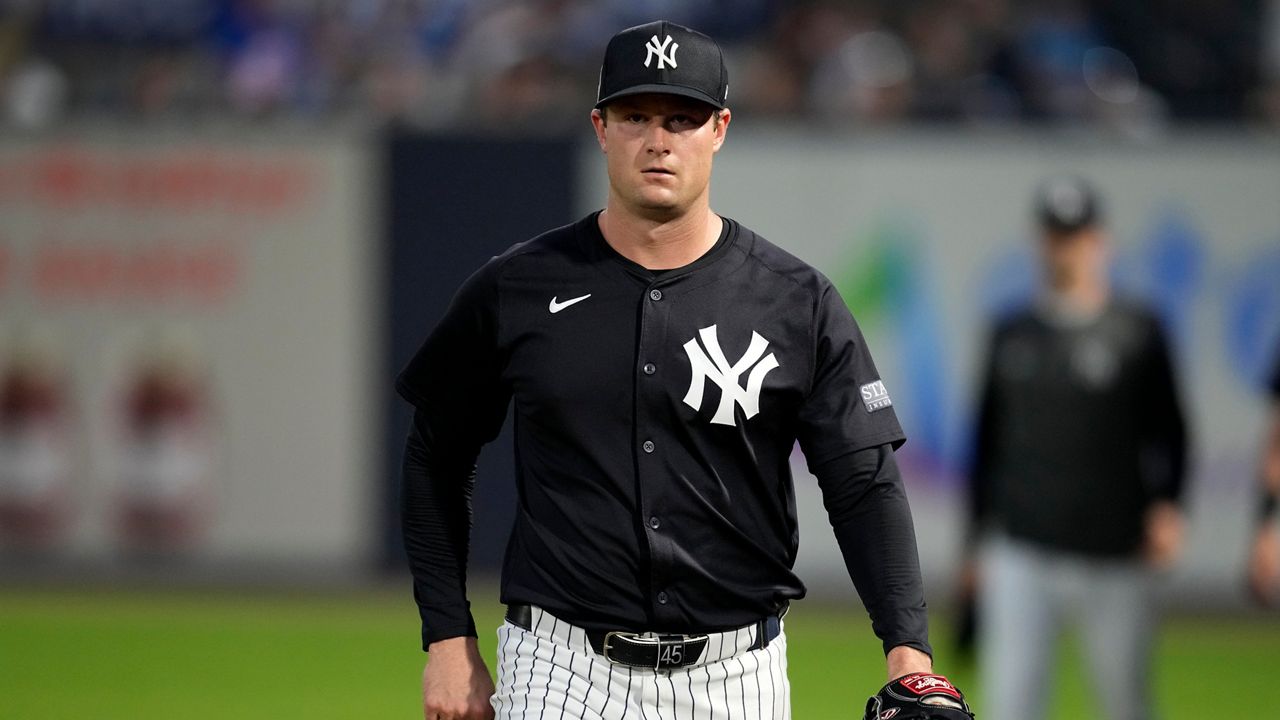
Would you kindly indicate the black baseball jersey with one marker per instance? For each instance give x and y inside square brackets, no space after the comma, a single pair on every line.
[655,417]
[1080,429]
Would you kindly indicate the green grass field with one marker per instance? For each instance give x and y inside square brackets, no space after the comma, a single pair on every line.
[101,656]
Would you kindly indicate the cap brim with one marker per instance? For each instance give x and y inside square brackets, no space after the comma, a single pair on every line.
[1061,227]
[657,88]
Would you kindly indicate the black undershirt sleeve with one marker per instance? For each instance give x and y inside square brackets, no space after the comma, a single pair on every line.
[1164,452]
[979,497]
[435,516]
[867,505]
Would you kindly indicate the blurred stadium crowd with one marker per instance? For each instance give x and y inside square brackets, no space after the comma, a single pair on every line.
[527,65]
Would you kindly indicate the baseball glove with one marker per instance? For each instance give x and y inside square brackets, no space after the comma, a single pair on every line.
[918,696]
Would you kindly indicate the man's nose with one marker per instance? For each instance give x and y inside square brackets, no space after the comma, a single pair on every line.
[656,138]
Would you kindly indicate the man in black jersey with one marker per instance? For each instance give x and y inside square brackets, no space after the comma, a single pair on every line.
[661,362]
[1077,474]
[1264,558]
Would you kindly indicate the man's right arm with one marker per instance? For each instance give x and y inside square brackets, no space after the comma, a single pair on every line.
[979,505]
[436,522]
[454,383]
[435,517]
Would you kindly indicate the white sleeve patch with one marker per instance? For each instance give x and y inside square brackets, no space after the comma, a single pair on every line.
[875,396]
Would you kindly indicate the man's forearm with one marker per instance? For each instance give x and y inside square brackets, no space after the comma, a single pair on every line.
[869,513]
[436,523]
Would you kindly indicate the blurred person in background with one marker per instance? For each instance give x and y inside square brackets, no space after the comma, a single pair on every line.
[1077,476]
[1264,560]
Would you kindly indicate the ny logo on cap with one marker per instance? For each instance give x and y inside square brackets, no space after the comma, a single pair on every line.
[665,57]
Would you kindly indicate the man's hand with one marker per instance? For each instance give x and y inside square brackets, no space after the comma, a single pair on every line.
[456,683]
[1264,565]
[1164,530]
[903,660]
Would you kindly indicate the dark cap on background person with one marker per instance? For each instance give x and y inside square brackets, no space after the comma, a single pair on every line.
[1067,204]
[663,57]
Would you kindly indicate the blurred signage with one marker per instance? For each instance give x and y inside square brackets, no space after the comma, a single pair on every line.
[184,335]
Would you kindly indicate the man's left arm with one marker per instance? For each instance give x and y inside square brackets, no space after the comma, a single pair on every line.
[867,505]
[869,512]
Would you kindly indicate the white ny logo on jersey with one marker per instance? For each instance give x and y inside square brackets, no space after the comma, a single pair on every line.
[717,368]
[665,57]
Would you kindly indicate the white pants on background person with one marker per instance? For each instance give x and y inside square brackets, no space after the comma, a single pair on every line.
[1030,595]
[551,671]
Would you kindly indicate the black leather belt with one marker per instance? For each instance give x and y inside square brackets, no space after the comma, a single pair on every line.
[652,650]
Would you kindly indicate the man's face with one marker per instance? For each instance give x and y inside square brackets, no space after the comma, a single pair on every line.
[659,149]
[1072,257]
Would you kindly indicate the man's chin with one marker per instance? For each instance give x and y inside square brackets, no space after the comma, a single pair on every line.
[657,200]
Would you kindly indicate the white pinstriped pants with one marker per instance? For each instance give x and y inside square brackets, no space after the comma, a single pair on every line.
[550,671]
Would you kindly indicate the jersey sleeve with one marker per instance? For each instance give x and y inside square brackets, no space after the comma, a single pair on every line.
[848,407]
[454,378]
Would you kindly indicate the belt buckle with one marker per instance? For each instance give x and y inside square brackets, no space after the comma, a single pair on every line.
[670,652]
[627,636]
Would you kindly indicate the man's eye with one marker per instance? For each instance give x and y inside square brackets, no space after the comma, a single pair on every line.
[635,118]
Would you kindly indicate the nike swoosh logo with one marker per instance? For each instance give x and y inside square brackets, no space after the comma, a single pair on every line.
[556,307]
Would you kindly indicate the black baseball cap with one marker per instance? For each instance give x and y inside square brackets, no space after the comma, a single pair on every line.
[663,57]
[1067,204]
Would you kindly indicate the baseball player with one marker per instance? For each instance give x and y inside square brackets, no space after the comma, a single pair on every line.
[662,361]
[1078,473]
[1264,560]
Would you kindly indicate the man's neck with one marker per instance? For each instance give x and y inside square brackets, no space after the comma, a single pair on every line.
[660,244]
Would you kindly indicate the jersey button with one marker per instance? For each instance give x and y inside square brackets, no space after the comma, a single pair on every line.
[654,522]
[650,368]
[655,294]
[648,446]
[662,597]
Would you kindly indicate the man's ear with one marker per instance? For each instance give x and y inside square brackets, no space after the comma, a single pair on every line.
[601,127]
[721,127]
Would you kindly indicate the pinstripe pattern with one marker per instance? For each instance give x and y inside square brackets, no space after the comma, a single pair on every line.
[550,672]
